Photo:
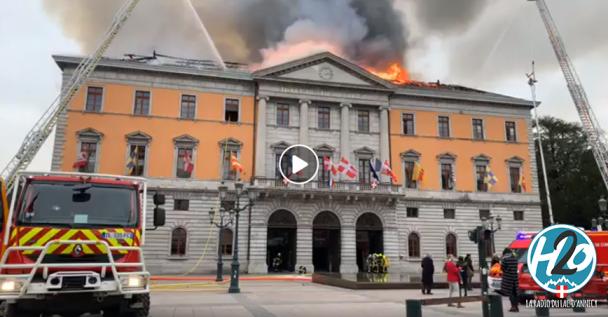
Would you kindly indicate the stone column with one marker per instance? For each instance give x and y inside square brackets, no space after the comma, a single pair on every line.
[384,138]
[304,248]
[345,131]
[260,138]
[259,239]
[348,250]
[304,121]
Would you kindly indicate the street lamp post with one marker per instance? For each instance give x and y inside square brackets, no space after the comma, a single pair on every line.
[221,226]
[480,235]
[489,224]
[236,210]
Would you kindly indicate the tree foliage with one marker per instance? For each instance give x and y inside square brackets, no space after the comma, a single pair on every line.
[575,182]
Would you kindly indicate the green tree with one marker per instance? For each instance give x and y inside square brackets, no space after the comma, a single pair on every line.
[574,179]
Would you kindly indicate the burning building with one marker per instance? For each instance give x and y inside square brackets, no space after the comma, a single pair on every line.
[458,155]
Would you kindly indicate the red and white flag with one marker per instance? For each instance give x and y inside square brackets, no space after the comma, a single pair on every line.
[82,160]
[188,165]
[561,291]
[386,170]
[347,168]
[326,163]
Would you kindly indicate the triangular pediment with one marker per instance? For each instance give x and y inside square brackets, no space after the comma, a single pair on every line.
[324,68]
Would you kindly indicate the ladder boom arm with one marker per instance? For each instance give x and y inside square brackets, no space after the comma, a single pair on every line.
[591,127]
[41,130]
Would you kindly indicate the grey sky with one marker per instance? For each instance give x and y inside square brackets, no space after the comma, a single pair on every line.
[483,44]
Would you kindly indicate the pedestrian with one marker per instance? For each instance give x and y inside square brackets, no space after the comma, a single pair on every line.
[428,269]
[453,278]
[510,278]
[462,266]
[470,270]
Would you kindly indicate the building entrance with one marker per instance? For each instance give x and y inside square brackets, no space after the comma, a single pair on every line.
[281,242]
[326,242]
[369,238]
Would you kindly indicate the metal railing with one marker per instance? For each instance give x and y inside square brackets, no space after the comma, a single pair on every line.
[337,186]
[38,265]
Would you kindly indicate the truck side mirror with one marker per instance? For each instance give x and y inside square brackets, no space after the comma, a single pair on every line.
[159,199]
[159,217]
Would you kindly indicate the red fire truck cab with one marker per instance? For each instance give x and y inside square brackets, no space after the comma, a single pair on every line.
[596,288]
[73,244]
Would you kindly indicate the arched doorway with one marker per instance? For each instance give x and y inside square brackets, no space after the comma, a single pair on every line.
[326,242]
[369,238]
[281,241]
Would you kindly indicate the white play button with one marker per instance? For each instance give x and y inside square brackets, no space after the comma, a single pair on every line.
[297,164]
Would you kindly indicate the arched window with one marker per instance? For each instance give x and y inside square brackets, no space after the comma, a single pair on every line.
[226,244]
[413,245]
[450,244]
[179,239]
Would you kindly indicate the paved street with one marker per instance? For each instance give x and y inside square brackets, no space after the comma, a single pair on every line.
[299,299]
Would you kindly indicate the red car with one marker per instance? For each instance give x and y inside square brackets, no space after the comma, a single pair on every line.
[596,288]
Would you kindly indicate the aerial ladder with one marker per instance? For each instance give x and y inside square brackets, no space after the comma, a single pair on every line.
[591,127]
[44,126]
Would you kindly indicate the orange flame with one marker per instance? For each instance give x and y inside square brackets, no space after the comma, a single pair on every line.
[395,73]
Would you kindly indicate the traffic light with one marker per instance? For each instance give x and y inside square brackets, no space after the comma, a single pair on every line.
[474,235]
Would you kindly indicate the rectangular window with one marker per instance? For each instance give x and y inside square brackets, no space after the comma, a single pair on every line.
[409,171]
[408,124]
[137,160]
[510,131]
[227,172]
[444,126]
[323,175]
[231,110]
[447,176]
[323,118]
[478,129]
[89,150]
[185,162]
[412,212]
[188,107]
[518,215]
[282,115]
[449,214]
[484,214]
[142,103]
[94,98]
[364,172]
[480,171]
[514,175]
[181,204]
[363,120]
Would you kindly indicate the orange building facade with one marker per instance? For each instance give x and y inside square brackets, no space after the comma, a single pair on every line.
[460,155]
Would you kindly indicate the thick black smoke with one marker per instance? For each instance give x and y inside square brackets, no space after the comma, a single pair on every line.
[369,32]
[266,32]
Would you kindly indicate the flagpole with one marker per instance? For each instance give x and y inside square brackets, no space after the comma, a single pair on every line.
[532,82]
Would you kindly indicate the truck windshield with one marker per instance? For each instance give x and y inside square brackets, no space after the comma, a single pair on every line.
[78,205]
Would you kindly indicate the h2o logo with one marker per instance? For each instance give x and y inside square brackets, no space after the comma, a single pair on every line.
[561,259]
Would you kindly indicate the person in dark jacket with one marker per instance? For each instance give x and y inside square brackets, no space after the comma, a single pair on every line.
[510,278]
[462,266]
[428,269]
[470,271]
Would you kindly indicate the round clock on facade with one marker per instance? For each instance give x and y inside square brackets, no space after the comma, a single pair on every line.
[326,73]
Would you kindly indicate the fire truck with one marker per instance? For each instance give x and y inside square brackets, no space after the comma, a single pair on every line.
[72,244]
[596,288]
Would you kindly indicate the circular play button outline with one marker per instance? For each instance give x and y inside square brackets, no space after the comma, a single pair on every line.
[316,164]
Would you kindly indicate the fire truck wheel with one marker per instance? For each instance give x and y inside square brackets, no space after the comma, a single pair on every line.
[13,310]
[144,309]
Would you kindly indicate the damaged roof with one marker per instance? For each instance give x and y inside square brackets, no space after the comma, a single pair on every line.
[237,71]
